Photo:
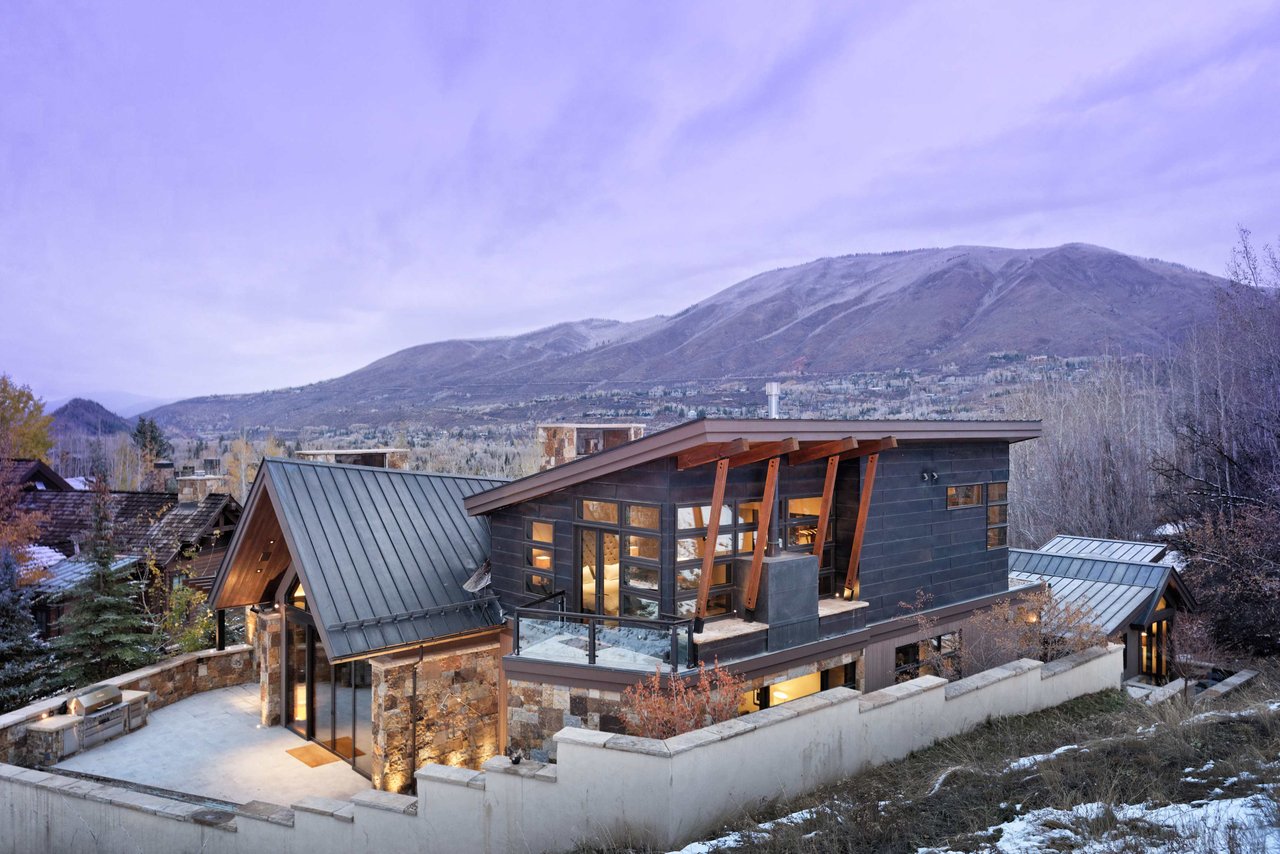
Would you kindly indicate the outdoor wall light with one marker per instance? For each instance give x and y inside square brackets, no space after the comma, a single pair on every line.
[928,476]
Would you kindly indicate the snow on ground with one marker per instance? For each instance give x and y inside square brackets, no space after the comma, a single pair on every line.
[1206,824]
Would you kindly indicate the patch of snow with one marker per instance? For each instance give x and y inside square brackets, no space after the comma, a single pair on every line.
[1206,823]
[1032,761]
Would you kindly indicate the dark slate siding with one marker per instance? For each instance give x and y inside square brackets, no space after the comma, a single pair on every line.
[913,541]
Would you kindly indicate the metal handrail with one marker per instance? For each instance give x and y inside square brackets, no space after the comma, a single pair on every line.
[673,625]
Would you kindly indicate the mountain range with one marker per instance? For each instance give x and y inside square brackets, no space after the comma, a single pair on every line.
[928,309]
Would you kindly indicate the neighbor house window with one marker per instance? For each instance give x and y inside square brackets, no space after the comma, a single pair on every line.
[539,562]
[997,515]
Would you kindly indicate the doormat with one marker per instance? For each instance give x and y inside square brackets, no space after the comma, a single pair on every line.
[342,747]
[312,755]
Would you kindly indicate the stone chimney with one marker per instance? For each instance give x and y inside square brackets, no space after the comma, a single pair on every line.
[199,486]
[561,443]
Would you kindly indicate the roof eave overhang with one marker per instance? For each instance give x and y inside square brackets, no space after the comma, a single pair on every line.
[707,431]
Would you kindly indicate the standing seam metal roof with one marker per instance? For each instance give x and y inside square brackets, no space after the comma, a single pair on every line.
[1117,592]
[1111,549]
[382,553]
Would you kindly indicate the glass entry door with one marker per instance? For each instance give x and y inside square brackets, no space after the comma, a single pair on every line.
[330,704]
[599,571]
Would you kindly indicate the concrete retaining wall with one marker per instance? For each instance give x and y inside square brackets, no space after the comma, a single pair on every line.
[605,787]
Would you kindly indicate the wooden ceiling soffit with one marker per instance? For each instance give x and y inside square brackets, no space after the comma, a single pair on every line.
[257,557]
[765,451]
[822,449]
[710,453]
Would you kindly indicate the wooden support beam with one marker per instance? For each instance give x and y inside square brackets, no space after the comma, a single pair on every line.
[704,454]
[824,449]
[851,583]
[762,535]
[866,449]
[713,532]
[763,452]
[824,508]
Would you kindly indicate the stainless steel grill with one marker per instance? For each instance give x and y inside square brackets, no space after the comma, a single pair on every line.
[105,716]
[93,698]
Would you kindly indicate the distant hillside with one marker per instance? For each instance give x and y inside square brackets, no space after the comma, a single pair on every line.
[87,417]
[920,309]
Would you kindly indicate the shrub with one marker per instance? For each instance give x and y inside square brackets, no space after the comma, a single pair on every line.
[662,708]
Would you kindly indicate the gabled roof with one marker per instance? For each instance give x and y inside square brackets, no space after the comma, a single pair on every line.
[1119,593]
[32,474]
[186,524]
[711,431]
[1115,549]
[382,553]
[68,517]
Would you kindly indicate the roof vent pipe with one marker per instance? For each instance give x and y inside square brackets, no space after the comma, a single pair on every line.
[773,391]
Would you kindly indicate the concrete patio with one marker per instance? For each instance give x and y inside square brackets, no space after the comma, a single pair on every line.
[212,744]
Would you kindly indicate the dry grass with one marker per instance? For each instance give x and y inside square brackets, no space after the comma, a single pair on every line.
[953,792]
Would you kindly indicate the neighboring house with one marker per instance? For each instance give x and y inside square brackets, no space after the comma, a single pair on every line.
[186,534]
[51,601]
[782,549]
[1132,597]
[32,475]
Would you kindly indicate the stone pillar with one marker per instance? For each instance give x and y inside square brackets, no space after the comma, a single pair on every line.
[267,641]
[456,710]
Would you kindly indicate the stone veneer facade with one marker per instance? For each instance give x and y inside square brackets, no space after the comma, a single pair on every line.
[265,635]
[537,711]
[456,707]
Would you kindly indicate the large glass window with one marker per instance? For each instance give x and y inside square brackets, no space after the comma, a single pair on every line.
[997,515]
[620,571]
[800,532]
[736,537]
[539,558]
[964,496]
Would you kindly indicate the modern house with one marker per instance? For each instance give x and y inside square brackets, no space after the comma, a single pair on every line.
[403,618]
[1131,590]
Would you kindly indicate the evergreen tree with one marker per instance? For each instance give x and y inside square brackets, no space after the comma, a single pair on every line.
[27,668]
[105,632]
[150,440]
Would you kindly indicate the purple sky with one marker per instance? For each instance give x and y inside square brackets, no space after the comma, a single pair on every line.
[218,197]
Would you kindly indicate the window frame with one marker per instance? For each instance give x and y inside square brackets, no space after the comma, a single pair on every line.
[1001,527]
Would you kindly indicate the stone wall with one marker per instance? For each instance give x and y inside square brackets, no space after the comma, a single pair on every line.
[167,682]
[455,706]
[537,711]
[267,651]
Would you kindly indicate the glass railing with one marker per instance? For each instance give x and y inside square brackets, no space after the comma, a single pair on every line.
[546,632]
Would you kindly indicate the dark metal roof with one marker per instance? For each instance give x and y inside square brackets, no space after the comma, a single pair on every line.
[1114,549]
[1119,593]
[382,553]
[705,431]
